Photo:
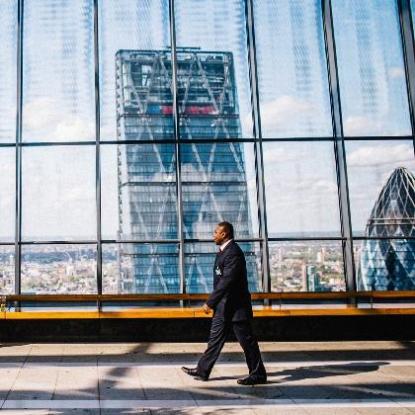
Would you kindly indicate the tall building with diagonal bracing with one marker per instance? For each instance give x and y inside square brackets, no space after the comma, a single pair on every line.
[213,177]
[389,264]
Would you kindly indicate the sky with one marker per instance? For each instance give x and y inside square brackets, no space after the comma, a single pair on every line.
[301,193]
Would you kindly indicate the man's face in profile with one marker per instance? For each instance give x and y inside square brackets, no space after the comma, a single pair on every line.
[219,235]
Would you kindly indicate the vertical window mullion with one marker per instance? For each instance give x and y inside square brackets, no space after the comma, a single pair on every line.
[182,285]
[18,217]
[259,170]
[408,45]
[97,154]
[339,147]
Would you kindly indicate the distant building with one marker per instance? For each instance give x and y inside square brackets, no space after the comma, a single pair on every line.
[389,264]
[214,186]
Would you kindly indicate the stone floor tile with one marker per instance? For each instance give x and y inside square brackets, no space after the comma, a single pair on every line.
[76,383]
[119,383]
[34,382]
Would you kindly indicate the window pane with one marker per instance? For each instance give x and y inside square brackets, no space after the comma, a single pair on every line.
[140,268]
[382,187]
[135,70]
[307,266]
[7,194]
[213,77]
[58,188]
[200,259]
[301,189]
[58,87]
[371,69]
[59,269]
[218,184]
[292,69]
[6,269]
[139,192]
[8,65]
[387,264]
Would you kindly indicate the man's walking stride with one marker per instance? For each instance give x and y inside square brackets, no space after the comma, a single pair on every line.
[232,309]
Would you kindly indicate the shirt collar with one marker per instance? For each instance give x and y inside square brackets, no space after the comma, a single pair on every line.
[225,244]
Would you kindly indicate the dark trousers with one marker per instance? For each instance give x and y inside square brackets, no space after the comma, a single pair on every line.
[217,337]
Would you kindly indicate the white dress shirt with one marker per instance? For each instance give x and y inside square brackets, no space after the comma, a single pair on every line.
[225,244]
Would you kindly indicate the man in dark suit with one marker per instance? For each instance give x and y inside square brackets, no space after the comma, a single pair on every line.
[230,302]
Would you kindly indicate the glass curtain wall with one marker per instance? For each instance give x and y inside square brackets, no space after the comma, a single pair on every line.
[129,128]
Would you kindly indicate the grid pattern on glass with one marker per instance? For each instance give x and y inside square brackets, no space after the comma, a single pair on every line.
[218,182]
[292,69]
[385,264]
[58,105]
[139,195]
[130,268]
[7,194]
[59,269]
[382,187]
[200,259]
[133,26]
[58,193]
[212,69]
[371,68]
[7,261]
[314,266]
[58,71]
[8,80]
[301,189]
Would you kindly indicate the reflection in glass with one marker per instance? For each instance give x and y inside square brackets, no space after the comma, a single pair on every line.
[139,191]
[58,78]
[385,264]
[127,27]
[6,269]
[8,65]
[301,189]
[292,69]
[200,259]
[218,183]
[213,76]
[371,68]
[7,194]
[306,266]
[58,193]
[381,185]
[140,268]
[59,269]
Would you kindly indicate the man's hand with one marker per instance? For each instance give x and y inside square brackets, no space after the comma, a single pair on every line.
[206,309]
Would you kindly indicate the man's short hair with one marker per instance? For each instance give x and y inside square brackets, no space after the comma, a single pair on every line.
[228,228]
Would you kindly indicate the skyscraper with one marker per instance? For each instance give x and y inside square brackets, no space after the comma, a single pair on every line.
[389,264]
[213,175]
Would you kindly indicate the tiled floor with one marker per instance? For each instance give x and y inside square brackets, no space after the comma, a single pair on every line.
[336,378]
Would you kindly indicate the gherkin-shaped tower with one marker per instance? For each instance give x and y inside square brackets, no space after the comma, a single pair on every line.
[389,264]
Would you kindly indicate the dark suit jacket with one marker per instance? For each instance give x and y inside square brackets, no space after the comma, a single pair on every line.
[230,298]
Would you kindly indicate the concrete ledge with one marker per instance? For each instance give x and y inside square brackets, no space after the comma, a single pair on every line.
[283,328]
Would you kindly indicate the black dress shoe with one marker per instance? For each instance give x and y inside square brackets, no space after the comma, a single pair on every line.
[193,372]
[252,380]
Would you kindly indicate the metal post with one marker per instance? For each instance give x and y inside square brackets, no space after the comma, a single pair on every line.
[339,147]
[177,149]
[97,154]
[408,47]
[18,211]
[259,162]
